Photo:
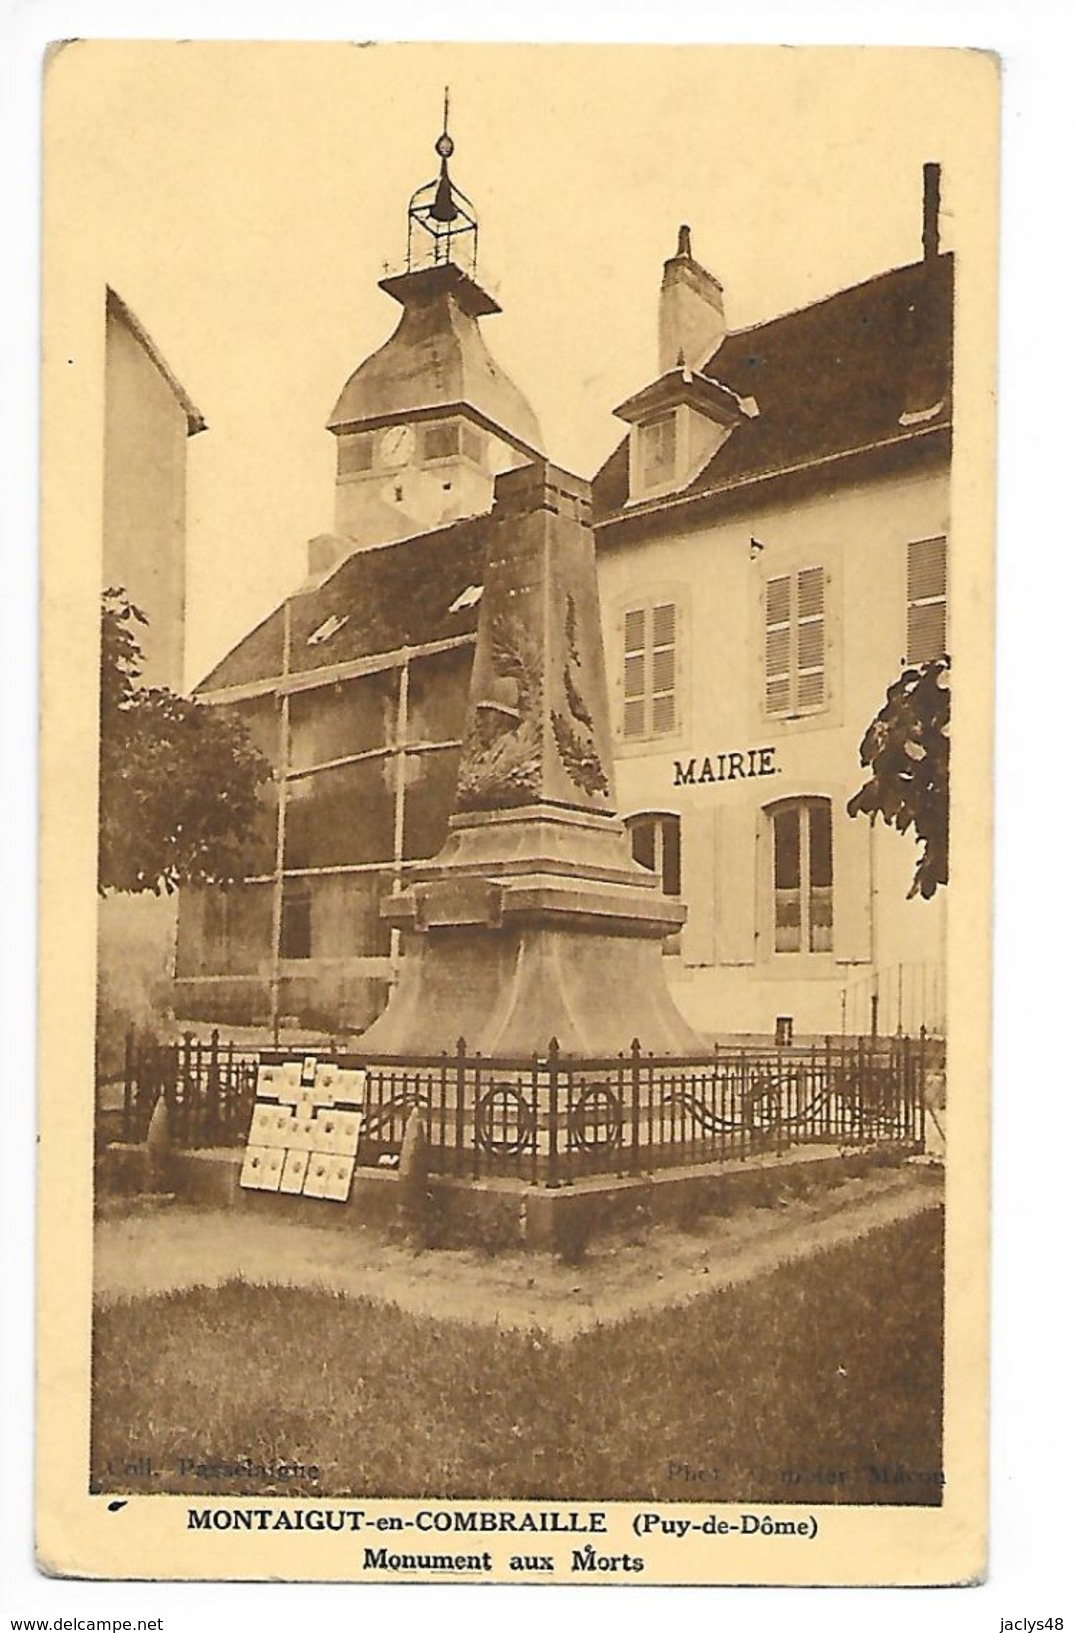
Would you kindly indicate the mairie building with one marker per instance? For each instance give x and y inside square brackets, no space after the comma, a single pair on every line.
[771,544]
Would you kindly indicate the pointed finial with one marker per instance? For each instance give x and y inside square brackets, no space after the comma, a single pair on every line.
[684,245]
[444,207]
[445,147]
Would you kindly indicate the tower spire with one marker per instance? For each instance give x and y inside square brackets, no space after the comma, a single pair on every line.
[442,225]
[444,207]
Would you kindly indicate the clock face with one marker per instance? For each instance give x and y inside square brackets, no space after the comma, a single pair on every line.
[396,444]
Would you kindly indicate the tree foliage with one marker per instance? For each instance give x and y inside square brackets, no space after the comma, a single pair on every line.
[178,779]
[906,750]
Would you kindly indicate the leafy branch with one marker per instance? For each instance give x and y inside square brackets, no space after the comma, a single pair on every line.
[906,748]
[178,781]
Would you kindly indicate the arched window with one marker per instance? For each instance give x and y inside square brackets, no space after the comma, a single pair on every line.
[655,843]
[802,876]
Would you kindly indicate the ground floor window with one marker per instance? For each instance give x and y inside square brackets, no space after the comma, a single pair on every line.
[295,921]
[802,876]
[655,844]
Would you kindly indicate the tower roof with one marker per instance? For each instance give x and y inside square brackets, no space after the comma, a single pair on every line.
[435,361]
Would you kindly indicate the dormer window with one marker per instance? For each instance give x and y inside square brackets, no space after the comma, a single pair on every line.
[657,450]
[677,426]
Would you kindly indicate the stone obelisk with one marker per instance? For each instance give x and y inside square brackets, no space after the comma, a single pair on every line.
[534,921]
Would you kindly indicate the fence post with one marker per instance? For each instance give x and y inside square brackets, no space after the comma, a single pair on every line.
[829,1100]
[806,1110]
[197,1105]
[720,1105]
[460,1098]
[636,1106]
[920,1099]
[477,1156]
[554,1112]
[230,1093]
[149,1081]
[212,1089]
[181,1096]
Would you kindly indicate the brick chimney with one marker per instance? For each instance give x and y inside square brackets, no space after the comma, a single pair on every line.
[691,322]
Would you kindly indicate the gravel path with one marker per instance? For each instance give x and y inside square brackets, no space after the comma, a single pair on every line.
[160,1249]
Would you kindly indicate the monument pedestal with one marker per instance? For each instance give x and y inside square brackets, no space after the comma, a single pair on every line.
[533,924]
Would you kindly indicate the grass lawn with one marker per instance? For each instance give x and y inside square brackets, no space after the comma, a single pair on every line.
[820,1381]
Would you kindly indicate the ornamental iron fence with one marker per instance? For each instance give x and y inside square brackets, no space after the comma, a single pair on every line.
[208,1086]
[554,1118]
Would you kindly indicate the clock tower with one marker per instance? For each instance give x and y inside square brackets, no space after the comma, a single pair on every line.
[425,425]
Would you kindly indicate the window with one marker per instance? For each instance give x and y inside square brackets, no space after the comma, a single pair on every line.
[927,585]
[331,626]
[795,642]
[657,450]
[440,441]
[215,928]
[655,844]
[649,671]
[473,445]
[224,931]
[467,598]
[295,920]
[355,454]
[802,876]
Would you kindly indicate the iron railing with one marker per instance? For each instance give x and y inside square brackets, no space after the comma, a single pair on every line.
[208,1086]
[554,1118]
[900,1000]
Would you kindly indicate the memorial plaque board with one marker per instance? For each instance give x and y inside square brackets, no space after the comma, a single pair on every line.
[294,1172]
[338,1180]
[317,1175]
[252,1174]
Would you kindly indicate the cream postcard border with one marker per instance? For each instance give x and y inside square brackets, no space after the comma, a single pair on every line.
[150,1539]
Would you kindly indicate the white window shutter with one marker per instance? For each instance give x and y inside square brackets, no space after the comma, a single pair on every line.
[927,592]
[698,841]
[737,892]
[810,639]
[852,906]
[778,645]
[634,673]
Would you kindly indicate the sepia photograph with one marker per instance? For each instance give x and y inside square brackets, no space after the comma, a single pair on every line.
[518,608]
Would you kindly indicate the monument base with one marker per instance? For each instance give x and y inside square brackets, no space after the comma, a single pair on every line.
[533,924]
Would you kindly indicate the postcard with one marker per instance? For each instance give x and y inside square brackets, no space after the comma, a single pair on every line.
[517,653]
